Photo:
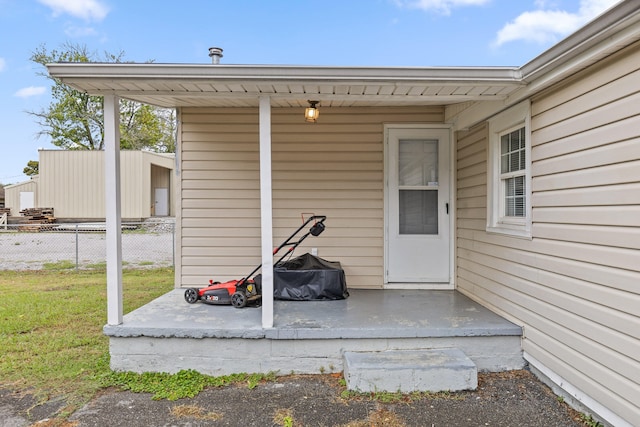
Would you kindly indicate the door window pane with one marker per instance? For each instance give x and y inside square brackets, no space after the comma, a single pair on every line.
[418,162]
[418,212]
[418,168]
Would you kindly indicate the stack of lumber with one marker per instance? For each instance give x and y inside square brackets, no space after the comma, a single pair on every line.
[37,212]
[5,211]
[37,219]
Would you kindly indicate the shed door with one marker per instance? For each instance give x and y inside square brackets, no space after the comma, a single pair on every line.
[26,200]
[417,219]
[162,202]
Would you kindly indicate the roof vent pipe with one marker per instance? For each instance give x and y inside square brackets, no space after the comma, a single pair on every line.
[215,53]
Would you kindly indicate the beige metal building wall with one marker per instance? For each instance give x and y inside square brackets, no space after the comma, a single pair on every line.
[12,194]
[72,182]
[333,168]
[576,285]
[134,184]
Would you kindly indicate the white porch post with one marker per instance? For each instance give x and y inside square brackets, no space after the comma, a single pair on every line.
[112,208]
[266,213]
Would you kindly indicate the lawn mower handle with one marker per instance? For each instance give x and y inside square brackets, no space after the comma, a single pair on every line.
[321,219]
[315,230]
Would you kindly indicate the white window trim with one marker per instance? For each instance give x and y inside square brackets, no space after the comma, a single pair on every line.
[514,117]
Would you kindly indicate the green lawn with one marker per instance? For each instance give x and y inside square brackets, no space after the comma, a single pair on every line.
[51,340]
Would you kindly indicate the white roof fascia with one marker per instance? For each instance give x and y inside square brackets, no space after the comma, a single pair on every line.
[254,73]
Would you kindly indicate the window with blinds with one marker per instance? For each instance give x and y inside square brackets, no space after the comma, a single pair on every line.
[512,172]
[509,172]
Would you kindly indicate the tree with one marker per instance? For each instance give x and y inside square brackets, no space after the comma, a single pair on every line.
[32,168]
[74,120]
[143,126]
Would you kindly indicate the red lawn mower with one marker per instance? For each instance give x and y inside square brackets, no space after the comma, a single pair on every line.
[246,290]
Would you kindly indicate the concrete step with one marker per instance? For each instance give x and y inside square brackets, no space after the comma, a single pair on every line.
[410,370]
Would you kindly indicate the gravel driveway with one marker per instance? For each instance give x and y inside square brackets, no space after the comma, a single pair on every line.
[31,251]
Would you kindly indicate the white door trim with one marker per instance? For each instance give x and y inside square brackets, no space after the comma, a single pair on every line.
[452,207]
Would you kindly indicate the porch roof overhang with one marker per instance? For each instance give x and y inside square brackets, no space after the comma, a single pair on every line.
[209,85]
[463,89]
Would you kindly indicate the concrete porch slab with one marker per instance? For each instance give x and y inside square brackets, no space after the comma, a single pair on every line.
[168,334]
[365,314]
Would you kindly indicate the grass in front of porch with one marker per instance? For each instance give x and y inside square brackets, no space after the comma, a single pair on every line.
[51,340]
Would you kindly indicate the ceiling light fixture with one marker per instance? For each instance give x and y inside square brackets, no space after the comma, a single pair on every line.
[311,113]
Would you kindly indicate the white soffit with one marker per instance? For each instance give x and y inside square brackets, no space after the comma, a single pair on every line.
[201,85]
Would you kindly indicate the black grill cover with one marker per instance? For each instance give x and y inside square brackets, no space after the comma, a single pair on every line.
[309,278]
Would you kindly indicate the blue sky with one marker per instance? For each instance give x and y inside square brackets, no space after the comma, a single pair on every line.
[297,32]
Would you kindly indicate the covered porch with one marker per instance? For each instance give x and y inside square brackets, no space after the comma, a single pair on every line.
[246,159]
[309,337]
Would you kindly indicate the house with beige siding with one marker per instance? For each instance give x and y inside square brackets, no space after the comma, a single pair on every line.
[72,182]
[515,187]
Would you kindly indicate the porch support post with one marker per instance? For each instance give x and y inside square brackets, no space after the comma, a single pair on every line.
[112,208]
[266,213]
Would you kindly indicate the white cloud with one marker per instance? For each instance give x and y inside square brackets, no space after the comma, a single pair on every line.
[27,92]
[89,10]
[546,26]
[3,63]
[440,6]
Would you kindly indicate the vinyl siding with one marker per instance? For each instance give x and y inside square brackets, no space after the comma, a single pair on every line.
[333,168]
[575,286]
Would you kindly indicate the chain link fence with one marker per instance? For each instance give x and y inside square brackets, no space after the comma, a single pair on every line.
[148,244]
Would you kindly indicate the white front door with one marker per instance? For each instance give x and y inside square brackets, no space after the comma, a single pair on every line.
[162,202]
[417,212]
